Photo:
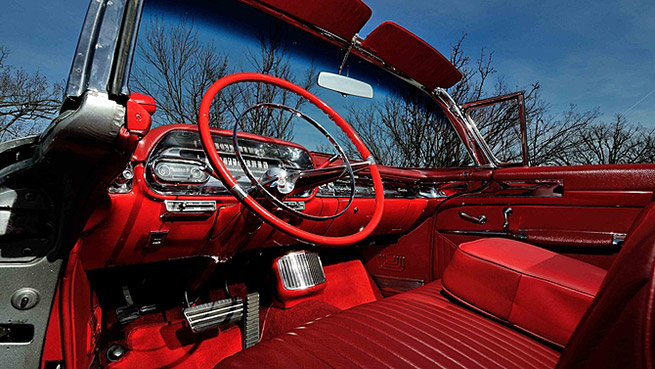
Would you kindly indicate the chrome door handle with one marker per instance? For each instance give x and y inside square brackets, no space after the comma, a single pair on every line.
[481,219]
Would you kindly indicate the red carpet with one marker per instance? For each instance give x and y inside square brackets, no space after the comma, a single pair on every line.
[175,346]
[158,345]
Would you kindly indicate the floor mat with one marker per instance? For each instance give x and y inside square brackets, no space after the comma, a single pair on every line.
[161,345]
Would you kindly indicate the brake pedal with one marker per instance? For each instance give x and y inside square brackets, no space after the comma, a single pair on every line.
[213,314]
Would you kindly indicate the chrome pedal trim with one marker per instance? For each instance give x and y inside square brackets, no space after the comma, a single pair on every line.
[213,314]
[251,320]
[300,270]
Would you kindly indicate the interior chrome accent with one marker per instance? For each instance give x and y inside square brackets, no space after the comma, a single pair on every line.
[251,320]
[618,239]
[239,192]
[507,212]
[300,270]
[480,219]
[296,205]
[186,206]
[212,314]
[312,176]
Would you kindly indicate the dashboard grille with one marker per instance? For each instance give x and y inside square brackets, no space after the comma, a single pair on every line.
[301,270]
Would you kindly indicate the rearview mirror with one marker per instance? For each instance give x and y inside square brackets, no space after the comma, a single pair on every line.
[345,85]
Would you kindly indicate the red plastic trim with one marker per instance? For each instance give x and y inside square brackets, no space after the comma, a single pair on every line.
[229,181]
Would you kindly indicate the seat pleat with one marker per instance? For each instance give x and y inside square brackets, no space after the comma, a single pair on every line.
[416,329]
[401,349]
[490,336]
[342,345]
[413,335]
[443,329]
[496,346]
[465,317]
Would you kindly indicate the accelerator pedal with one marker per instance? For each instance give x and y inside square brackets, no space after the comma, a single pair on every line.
[251,320]
[213,314]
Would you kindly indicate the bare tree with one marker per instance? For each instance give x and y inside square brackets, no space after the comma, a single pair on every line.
[27,101]
[614,142]
[176,69]
[404,130]
[408,131]
[272,59]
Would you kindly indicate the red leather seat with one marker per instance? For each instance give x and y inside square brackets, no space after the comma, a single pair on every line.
[416,329]
[536,290]
[421,329]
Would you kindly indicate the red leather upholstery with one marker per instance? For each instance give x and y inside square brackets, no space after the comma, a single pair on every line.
[536,290]
[421,329]
[618,330]
[416,329]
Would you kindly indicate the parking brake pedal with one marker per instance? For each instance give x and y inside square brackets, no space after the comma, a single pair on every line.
[214,314]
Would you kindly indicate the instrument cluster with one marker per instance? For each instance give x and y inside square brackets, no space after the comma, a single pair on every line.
[178,165]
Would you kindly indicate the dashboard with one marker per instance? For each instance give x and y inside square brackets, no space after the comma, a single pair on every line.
[165,204]
[177,164]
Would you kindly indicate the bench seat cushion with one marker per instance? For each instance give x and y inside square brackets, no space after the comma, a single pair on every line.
[534,289]
[415,329]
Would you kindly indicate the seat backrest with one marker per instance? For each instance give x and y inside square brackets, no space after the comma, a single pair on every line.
[617,330]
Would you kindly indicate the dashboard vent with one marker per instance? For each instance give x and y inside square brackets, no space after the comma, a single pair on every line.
[300,270]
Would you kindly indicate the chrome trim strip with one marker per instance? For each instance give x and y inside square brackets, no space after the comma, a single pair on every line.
[96,48]
[238,192]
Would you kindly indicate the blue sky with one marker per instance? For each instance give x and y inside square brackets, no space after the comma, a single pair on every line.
[590,53]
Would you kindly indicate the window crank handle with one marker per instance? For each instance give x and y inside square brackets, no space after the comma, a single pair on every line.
[506,213]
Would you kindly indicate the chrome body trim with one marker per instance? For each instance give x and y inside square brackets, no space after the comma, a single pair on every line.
[102,59]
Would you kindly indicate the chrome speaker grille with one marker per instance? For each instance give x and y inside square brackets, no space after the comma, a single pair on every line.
[300,270]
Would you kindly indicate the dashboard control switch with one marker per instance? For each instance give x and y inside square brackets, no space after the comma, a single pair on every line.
[157,238]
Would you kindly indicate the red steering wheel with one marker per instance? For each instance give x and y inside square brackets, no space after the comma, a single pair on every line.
[242,195]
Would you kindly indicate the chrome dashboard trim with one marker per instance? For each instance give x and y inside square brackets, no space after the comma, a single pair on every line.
[239,192]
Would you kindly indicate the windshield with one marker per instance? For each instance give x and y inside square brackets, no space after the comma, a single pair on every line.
[183,48]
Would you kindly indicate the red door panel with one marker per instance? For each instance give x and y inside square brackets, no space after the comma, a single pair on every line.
[584,217]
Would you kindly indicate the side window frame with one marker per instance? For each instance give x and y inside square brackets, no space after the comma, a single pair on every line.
[519,98]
